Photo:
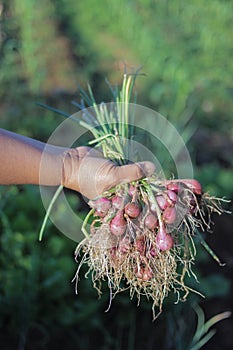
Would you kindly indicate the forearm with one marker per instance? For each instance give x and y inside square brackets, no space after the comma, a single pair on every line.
[20,161]
[27,161]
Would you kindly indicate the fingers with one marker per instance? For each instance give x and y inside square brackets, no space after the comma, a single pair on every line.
[136,171]
[84,151]
[148,168]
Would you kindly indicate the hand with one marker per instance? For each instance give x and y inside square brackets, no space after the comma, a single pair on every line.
[86,171]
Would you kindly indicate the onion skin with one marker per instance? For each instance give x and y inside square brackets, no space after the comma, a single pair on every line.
[118,202]
[139,273]
[144,273]
[124,245]
[100,213]
[152,253]
[113,252]
[169,215]
[192,184]
[131,191]
[164,240]
[151,221]
[132,210]
[173,186]
[162,202]
[172,195]
[118,224]
[140,245]
[147,274]
[101,204]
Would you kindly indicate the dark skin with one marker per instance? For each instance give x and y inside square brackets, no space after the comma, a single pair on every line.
[27,161]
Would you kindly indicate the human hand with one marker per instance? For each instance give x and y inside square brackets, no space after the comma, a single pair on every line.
[86,171]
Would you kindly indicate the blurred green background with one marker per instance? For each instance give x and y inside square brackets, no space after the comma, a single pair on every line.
[47,49]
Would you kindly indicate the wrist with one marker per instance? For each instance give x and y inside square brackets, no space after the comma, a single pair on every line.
[69,170]
[51,166]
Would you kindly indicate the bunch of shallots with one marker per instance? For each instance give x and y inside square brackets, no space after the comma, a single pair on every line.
[141,236]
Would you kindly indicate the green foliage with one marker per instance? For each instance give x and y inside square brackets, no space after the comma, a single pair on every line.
[203,333]
[42,51]
[183,49]
[218,180]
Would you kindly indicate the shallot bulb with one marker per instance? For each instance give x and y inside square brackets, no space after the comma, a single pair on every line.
[169,215]
[132,209]
[162,202]
[172,195]
[173,186]
[124,245]
[151,221]
[101,204]
[118,202]
[118,224]
[100,213]
[147,274]
[192,184]
[144,273]
[163,239]
[132,189]
[140,245]
[151,253]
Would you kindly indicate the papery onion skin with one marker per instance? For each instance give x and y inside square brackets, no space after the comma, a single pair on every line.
[118,202]
[151,221]
[124,245]
[101,204]
[169,215]
[118,224]
[140,245]
[100,213]
[162,202]
[172,195]
[164,240]
[132,210]
[192,184]
[132,190]
[173,186]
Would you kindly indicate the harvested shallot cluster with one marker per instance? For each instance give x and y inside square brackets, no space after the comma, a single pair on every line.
[140,236]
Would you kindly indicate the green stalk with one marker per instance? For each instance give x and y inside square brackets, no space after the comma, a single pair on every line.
[153,200]
[126,104]
[48,212]
[122,99]
[86,234]
[209,250]
[101,138]
[203,333]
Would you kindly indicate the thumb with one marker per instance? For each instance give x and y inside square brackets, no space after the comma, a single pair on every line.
[135,171]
